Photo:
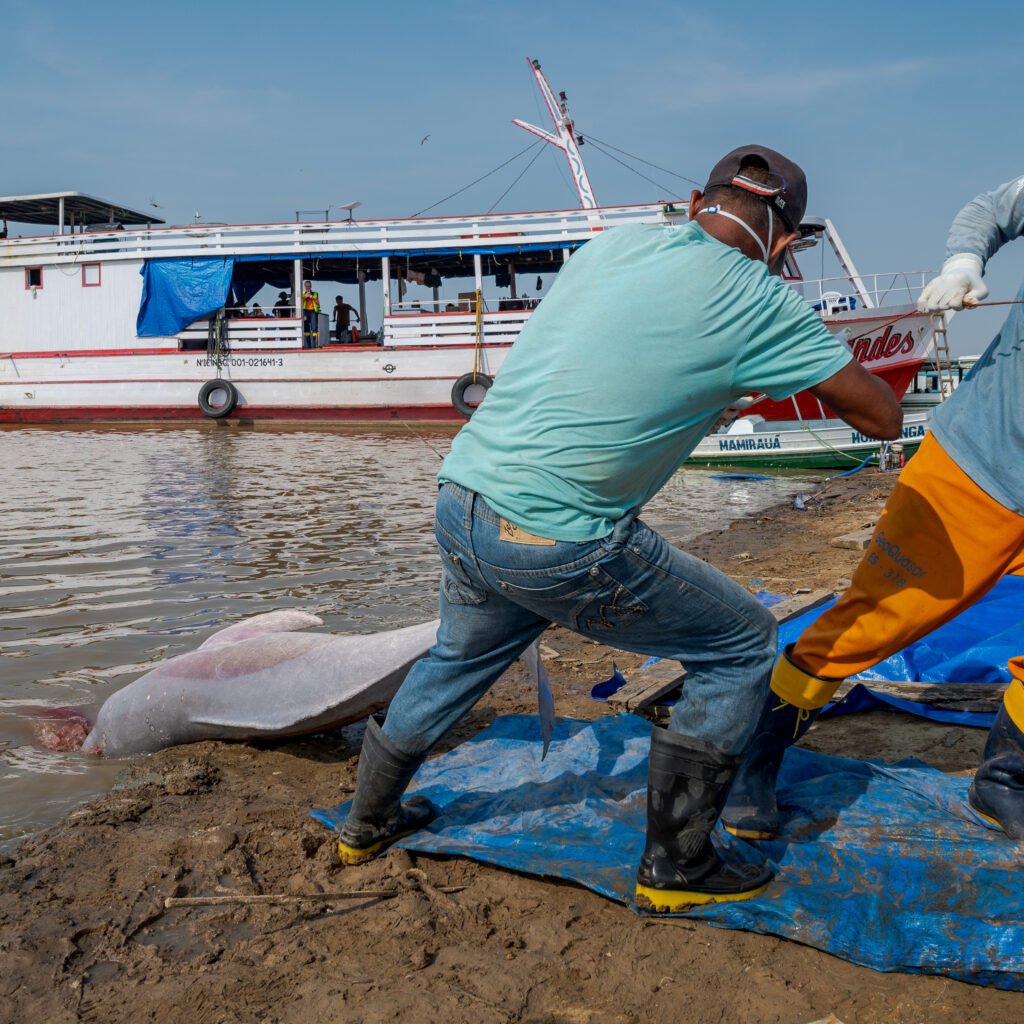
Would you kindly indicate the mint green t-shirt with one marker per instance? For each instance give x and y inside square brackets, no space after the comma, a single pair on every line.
[648,332]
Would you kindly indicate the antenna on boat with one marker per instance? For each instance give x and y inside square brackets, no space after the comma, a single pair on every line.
[345,206]
[565,137]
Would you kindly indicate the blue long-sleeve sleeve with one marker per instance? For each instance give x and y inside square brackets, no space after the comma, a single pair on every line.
[988,221]
[981,425]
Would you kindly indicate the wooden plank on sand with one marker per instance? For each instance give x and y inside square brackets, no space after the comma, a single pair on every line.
[798,604]
[647,686]
[947,696]
[856,541]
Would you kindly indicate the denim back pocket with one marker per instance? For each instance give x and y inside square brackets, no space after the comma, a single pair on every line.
[455,582]
[587,599]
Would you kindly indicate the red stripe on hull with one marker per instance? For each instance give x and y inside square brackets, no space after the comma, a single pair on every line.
[352,414]
[246,353]
[899,378]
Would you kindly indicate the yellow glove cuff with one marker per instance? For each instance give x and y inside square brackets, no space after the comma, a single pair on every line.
[1013,701]
[800,688]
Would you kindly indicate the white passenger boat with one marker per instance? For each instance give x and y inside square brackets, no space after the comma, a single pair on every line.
[932,384]
[755,443]
[143,321]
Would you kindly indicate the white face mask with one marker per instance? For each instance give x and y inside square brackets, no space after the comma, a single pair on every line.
[765,249]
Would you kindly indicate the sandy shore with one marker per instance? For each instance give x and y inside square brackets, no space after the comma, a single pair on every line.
[85,935]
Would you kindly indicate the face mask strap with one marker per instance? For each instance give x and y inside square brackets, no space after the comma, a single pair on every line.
[765,249]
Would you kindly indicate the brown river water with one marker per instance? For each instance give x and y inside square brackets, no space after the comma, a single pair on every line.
[123,546]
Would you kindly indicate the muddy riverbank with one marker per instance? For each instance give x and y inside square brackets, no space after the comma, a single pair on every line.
[85,935]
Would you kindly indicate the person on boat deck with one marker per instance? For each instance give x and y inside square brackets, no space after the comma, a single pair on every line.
[310,315]
[257,310]
[342,315]
[951,529]
[537,517]
[283,305]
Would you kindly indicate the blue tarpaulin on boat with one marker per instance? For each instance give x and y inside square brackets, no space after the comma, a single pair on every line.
[883,865]
[177,291]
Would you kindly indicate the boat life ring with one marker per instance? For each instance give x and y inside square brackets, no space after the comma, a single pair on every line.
[217,398]
[468,392]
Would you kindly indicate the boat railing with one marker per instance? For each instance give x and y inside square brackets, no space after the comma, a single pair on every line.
[248,334]
[458,327]
[271,313]
[449,307]
[560,229]
[830,295]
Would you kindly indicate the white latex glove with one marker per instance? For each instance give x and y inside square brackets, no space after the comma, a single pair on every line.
[730,412]
[958,285]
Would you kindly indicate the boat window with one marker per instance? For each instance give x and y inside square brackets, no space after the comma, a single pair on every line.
[33,278]
[90,275]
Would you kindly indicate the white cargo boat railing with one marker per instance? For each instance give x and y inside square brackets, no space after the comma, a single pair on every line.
[250,334]
[557,229]
[453,328]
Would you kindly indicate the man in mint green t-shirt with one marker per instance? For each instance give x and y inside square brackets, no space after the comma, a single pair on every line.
[648,333]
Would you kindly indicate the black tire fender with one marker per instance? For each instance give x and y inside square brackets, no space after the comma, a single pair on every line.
[462,385]
[219,407]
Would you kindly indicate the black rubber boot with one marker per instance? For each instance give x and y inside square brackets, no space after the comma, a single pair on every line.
[751,811]
[377,816]
[686,786]
[997,792]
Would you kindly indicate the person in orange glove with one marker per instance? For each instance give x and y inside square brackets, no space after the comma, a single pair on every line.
[952,528]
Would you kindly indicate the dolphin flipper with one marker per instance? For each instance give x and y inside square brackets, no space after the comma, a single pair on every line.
[545,698]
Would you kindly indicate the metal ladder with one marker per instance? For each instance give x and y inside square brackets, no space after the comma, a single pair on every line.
[943,360]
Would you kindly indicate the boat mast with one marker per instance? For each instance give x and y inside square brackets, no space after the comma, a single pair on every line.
[565,137]
[846,262]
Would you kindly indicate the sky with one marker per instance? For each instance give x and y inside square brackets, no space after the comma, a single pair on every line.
[250,112]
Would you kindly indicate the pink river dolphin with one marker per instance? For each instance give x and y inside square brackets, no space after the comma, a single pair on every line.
[260,678]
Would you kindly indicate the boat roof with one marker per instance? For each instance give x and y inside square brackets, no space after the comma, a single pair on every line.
[44,208]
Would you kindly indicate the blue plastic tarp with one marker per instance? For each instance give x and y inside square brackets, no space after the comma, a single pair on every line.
[974,647]
[883,865]
[175,292]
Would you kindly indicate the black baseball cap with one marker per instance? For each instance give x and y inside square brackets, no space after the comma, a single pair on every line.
[786,187]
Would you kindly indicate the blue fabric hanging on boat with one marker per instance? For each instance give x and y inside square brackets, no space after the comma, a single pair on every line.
[177,291]
[883,865]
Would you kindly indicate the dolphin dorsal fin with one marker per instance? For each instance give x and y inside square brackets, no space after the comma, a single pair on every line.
[285,621]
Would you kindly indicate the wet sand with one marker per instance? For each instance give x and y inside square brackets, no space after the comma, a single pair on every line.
[85,935]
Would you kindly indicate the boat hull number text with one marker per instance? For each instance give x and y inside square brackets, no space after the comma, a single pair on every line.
[242,361]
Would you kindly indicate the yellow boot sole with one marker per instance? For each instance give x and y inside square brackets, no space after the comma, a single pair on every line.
[668,901]
[988,817]
[747,833]
[351,855]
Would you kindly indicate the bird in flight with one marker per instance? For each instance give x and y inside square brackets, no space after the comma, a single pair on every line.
[424,139]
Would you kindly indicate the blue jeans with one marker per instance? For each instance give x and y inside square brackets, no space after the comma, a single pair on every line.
[630,589]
